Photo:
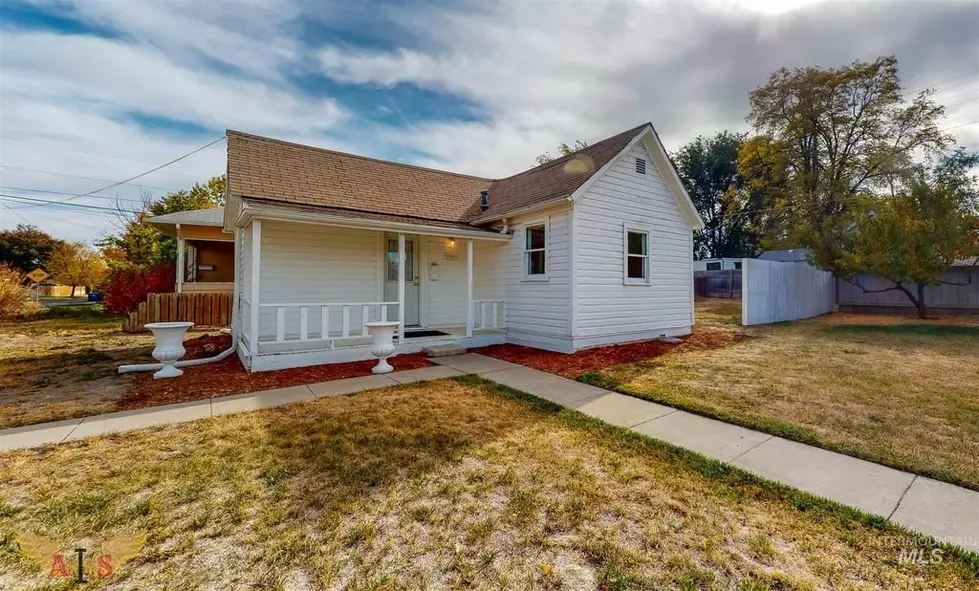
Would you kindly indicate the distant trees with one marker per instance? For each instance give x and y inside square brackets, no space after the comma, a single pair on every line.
[563,150]
[708,167]
[76,264]
[26,248]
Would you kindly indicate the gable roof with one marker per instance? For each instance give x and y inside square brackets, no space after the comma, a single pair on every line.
[275,170]
[213,216]
[558,178]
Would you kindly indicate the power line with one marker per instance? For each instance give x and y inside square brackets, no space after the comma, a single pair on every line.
[936,84]
[150,171]
[50,192]
[960,125]
[79,206]
[75,176]
[41,215]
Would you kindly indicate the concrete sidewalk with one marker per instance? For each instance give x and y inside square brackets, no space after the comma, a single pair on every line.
[945,511]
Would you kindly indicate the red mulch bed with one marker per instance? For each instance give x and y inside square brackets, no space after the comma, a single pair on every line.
[229,377]
[573,365]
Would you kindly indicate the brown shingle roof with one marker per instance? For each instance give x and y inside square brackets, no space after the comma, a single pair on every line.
[276,170]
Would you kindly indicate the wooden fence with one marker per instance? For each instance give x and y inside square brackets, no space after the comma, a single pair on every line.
[959,294]
[204,309]
[777,291]
[722,283]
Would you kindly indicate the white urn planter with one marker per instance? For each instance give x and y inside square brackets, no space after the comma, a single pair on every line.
[169,346]
[382,346]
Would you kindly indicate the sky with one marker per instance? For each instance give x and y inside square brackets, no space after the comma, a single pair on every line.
[93,92]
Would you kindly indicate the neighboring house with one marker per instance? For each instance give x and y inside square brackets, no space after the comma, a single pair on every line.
[725,264]
[792,255]
[205,253]
[589,249]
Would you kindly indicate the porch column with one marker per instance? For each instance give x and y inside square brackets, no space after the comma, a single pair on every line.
[469,288]
[401,288]
[180,261]
[256,260]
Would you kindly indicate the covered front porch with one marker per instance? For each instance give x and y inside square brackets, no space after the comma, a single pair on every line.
[310,287]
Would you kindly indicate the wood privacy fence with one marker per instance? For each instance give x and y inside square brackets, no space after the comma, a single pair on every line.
[204,309]
[776,292]
[959,294]
[722,283]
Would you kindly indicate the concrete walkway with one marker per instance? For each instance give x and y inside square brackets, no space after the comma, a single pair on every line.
[945,511]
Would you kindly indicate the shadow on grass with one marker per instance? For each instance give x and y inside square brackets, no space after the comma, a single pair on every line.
[929,330]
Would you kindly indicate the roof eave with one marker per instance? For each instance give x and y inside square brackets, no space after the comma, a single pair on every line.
[495,217]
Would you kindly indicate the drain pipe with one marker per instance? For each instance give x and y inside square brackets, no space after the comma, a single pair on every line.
[220,356]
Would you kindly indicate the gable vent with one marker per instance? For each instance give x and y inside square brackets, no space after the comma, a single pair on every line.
[640,166]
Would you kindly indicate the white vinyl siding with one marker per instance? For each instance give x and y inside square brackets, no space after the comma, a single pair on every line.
[609,309]
[539,308]
[446,296]
[306,263]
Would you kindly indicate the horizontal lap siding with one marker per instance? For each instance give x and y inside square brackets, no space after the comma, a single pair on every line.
[539,308]
[305,263]
[605,306]
[447,295]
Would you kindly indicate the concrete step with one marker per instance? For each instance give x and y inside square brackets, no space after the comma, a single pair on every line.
[447,350]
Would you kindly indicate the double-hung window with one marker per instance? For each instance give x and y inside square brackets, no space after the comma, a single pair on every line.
[636,246]
[535,252]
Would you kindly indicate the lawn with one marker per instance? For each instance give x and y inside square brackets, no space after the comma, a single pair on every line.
[448,484]
[898,391]
[63,363]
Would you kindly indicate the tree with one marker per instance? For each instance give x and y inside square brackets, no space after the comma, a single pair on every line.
[708,168]
[76,264]
[913,236]
[139,244]
[26,248]
[840,134]
[563,149]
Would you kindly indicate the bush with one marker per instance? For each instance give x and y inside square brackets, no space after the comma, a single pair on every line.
[126,288]
[13,296]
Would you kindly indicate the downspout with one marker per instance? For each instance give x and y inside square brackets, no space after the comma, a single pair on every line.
[234,330]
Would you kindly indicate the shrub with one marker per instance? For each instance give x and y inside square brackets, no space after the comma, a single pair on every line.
[126,288]
[13,296]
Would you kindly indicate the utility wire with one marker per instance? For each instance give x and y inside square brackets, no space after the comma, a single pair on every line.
[48,191]
[75,176]
[79,206]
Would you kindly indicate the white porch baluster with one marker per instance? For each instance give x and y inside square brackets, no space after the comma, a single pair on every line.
[364,319]
[346,321]
[304,323]
[324,322]
[495,306]
[384,313]
[280,324]
[483,313]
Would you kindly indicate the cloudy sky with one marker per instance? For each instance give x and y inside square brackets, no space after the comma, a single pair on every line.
[96,91]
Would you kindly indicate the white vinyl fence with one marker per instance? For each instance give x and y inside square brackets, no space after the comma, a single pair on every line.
[773,291]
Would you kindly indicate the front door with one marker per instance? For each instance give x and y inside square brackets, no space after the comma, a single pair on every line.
[411,276]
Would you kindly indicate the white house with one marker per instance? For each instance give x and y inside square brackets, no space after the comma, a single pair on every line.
[589,249]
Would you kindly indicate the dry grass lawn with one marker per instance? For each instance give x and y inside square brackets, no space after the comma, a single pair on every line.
[63,364]
[898,391]
[450,484]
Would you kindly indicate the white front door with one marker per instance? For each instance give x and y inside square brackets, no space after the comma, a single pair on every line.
[411,276]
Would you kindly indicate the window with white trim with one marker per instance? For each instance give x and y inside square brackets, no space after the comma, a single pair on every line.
[636,255]
[535,251]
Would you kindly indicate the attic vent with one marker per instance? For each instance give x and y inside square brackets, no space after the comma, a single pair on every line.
[483,200]
[640,166]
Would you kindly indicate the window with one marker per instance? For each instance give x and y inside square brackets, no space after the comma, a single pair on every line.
[535,252]
[640,165]
[713,266]
[393,260]
[636,256]
[737,265]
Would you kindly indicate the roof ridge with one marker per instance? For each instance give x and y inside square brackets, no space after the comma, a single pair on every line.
[566,157]
[358,156]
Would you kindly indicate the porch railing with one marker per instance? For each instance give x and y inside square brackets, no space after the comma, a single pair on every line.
[489,313]
[336,321]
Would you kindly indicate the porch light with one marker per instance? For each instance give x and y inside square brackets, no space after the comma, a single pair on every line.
[452,241]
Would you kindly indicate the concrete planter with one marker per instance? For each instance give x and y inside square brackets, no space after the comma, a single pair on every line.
[383,345]
[169,346]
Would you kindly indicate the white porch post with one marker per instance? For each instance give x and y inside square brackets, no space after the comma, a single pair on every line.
[256,274]
[401,288]
[180,261]
[469,288]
